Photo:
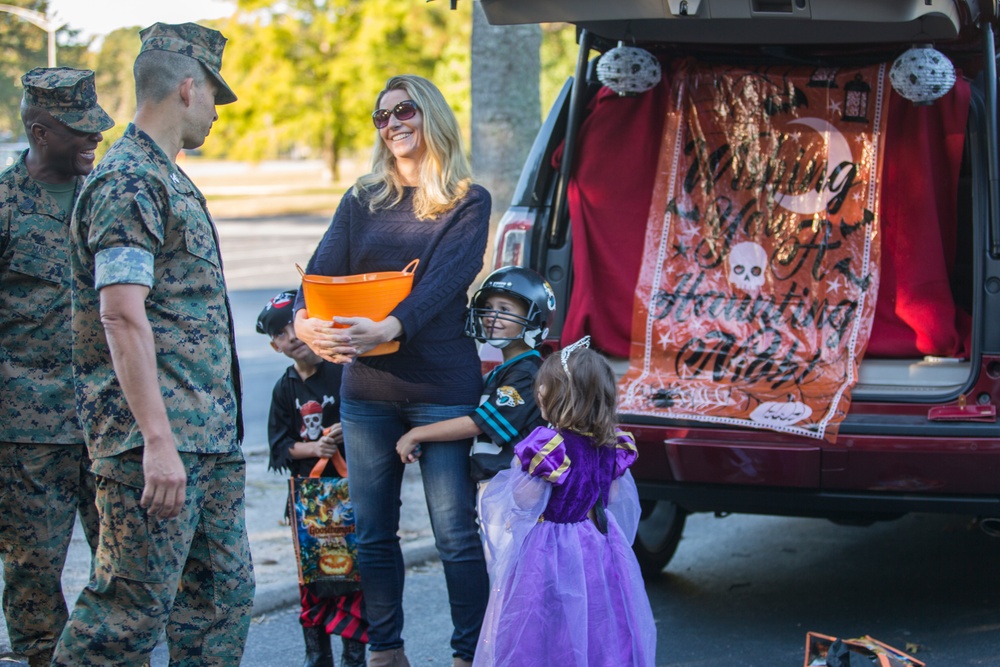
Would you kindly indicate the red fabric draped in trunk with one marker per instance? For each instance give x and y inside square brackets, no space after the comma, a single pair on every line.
[611,187]
[915,313]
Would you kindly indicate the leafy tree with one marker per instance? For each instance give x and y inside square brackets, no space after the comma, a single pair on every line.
[112,65]
[307,71]
[25,46]
[558,58]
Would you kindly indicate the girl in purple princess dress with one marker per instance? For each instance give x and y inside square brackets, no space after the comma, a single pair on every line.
[558,527]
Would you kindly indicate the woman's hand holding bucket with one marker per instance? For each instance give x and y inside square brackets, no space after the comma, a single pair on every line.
[363,334]
[324,339]
[342,340]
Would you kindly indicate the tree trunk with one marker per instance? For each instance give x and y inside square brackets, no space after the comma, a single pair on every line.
[506,108]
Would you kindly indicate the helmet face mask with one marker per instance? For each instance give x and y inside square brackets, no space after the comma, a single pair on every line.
[527,288]
[487,320]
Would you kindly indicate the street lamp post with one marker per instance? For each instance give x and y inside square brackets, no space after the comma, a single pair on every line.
[42,21]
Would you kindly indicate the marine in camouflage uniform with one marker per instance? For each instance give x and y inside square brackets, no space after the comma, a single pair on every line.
[44,476]
[157,382]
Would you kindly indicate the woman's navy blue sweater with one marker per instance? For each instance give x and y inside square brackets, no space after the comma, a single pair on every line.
[436,362]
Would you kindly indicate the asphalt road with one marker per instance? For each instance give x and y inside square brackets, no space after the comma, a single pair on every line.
[743,592]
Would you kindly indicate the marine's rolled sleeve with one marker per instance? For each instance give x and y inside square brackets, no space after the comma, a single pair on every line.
[124,234]
[123,266]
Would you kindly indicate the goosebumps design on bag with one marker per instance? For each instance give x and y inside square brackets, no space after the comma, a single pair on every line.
[323,530]
[760,267]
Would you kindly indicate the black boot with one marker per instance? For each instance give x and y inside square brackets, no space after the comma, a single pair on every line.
[354,653]
[318,652]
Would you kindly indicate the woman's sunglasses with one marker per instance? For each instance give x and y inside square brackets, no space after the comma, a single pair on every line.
[405,110]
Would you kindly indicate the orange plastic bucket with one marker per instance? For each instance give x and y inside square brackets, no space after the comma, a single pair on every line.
[371,295]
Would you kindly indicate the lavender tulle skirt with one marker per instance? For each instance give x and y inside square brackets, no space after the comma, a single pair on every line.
[562,593]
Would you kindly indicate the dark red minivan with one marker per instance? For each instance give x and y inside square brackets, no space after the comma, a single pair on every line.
[789,247]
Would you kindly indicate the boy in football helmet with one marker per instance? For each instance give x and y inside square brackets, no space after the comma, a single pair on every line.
[512,311]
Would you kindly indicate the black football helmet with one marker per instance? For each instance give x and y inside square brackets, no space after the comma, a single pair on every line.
[523,284]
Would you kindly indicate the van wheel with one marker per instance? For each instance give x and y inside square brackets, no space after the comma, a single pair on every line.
[660,528]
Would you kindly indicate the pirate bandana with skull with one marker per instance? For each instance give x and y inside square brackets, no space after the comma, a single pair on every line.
[312,418]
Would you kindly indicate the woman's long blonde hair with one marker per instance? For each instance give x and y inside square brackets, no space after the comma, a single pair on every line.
[445,173]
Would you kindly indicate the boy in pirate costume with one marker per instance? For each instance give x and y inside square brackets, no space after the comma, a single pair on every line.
[304,426]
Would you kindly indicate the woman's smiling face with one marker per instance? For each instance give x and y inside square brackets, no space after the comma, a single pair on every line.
[404,138]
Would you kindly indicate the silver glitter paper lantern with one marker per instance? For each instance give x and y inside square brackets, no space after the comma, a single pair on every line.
[628,70]
[922,75]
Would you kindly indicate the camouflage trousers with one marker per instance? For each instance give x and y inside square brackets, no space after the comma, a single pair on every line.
[42,487]
[190,575]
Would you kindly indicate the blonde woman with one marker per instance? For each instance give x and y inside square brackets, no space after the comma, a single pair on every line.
[417,202]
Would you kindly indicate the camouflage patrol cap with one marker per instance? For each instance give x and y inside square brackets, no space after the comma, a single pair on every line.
[68,95]
[190,39]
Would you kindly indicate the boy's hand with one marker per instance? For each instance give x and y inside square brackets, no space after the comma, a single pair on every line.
[408,448]
[327,445]
[336,432]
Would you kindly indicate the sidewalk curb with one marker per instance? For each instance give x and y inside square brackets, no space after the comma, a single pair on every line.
[274,597]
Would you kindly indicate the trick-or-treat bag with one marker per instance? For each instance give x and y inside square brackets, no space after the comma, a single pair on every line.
[323,529]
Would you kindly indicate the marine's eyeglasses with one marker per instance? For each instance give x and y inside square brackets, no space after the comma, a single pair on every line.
[405,110]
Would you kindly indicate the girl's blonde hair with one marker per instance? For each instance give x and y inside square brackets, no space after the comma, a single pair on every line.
[584,400]
[445,173]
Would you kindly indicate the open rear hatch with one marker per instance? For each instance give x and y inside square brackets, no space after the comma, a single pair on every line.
[829,28]
[726,21]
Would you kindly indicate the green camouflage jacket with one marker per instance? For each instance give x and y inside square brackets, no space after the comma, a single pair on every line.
[36,381]
[140,220]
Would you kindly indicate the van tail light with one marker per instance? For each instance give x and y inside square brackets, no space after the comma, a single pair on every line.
[512,238]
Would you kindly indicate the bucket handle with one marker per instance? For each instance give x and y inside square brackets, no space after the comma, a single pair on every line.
[409,268]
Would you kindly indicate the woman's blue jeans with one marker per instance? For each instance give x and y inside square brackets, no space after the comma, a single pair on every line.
[371,429]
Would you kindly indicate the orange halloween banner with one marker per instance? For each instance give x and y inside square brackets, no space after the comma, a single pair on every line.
[760,268]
